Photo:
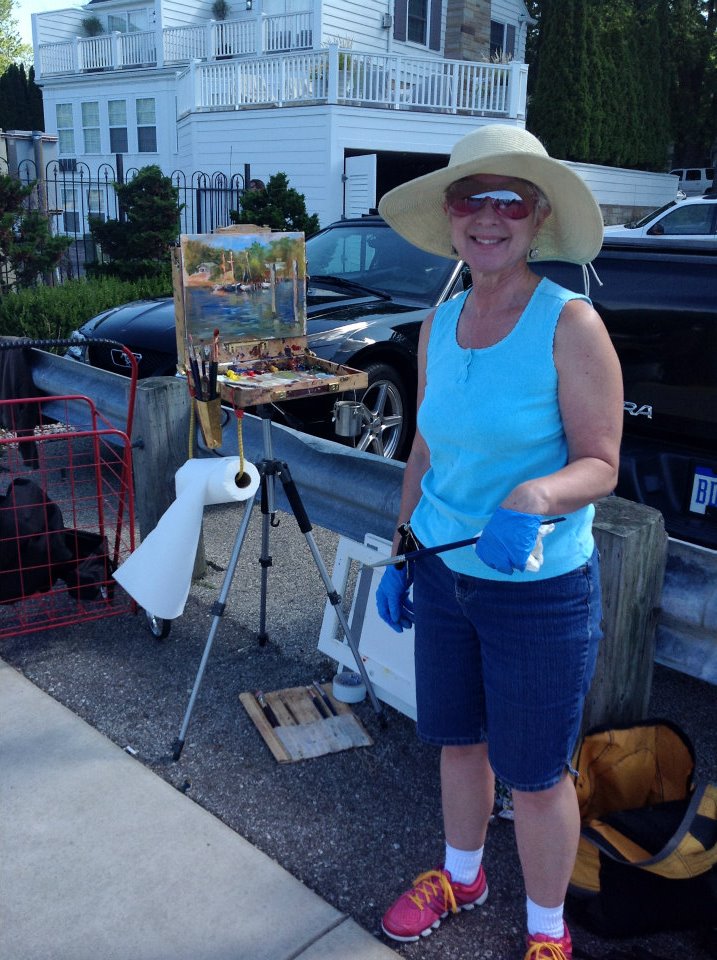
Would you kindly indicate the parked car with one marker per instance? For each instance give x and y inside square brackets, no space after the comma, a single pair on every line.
[694,180]
[367,294]
[692,219]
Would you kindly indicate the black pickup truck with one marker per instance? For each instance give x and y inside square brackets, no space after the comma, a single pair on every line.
[660,307]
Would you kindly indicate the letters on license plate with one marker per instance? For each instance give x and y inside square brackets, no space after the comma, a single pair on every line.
[704,490]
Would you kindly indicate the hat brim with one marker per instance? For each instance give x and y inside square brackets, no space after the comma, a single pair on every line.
[573,231]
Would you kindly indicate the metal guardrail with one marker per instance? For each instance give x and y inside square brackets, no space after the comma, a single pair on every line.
[352,493]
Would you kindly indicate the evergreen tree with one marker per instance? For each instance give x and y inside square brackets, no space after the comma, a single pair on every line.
[20,100]
[139,244]
[278,206]
[27,248]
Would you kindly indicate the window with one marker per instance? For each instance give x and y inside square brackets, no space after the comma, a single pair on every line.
[502,41]
[128,22]
[91,126]
[417,24]
[117,112]
[65,128]
[146,126]
[95,203]
[694,219]
[70,215]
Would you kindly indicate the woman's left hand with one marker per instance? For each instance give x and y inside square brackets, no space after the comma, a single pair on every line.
[508,540]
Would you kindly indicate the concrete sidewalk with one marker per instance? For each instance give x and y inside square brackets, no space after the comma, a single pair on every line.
[100,859]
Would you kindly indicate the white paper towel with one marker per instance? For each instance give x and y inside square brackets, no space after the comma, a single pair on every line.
[158,574]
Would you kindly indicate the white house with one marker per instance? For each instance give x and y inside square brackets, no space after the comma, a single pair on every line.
[348,99]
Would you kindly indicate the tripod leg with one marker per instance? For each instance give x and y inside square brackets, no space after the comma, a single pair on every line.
[265,560]
[218,611]
[302,518]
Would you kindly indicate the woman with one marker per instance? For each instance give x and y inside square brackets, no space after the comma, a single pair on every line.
[519,423]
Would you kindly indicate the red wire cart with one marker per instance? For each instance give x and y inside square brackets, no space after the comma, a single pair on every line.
[66,513]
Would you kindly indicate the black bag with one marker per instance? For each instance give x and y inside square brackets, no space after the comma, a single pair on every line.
[647,858]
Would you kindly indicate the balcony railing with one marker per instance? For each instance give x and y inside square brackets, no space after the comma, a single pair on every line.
[213,40]
[345,76]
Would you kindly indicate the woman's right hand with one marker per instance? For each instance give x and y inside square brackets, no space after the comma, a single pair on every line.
[392,601]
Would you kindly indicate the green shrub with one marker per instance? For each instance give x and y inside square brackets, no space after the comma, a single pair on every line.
[52,313]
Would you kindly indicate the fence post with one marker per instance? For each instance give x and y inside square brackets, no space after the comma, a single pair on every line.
[632,542]
[160,445]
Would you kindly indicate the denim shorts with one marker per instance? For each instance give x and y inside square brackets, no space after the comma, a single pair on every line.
[507,663]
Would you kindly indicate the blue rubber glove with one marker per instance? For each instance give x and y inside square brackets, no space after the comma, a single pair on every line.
[508,539]
[394,606]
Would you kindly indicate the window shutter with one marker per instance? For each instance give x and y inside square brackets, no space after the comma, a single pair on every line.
[400,16]
[434,30]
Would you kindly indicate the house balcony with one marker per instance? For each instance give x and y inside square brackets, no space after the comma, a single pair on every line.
[336,76]
[253,36]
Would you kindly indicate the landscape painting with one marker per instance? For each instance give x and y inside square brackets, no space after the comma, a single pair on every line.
[241,288]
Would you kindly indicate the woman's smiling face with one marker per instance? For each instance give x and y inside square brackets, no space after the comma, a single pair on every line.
[490,240]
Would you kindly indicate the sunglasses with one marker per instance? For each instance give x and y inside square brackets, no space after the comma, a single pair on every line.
[506,203]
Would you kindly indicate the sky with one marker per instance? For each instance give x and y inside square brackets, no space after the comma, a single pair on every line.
[23,8]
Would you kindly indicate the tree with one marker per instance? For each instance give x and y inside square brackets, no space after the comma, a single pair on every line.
[20,100]
[139,243]
[11,46]
[278,206]
[27,248]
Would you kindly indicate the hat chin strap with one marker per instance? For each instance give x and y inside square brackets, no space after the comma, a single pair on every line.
[587,269]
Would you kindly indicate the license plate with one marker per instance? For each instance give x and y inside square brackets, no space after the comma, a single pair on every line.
[704,491]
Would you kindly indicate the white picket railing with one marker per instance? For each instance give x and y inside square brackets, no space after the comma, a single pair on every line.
[250,36]
[344,76]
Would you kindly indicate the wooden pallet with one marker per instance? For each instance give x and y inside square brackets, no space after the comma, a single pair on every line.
[300,734]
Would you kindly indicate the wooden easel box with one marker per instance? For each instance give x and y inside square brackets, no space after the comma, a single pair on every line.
[278,353]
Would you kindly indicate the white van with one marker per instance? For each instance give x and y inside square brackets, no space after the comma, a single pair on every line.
[694,180]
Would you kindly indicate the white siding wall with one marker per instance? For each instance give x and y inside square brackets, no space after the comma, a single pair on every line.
[620,187]
[178,13]
[359,21]
[309,145]
[58,25]
[162,89]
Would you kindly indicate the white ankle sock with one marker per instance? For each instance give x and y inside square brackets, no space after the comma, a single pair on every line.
[463,865]
[547,920]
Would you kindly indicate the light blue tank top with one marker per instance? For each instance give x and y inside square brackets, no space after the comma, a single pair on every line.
[491,420]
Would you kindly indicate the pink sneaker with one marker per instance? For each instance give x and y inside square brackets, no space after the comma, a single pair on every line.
[543,947]
[431,898]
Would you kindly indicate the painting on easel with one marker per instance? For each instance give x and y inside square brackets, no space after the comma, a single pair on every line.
[246,287]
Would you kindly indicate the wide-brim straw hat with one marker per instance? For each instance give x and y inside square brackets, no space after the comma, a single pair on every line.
[573,231]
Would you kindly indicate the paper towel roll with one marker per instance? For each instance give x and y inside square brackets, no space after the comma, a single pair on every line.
[158,574]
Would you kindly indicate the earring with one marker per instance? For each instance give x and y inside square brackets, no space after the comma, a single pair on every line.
[533,253]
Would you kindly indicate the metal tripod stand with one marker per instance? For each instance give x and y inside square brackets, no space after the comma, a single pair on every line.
[269,469]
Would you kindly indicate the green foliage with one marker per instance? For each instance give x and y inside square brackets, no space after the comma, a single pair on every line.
[618,82]
[20,100]
[139,243]
[27,247]
[279,206]
[92,26]
[11,46]
[54,312]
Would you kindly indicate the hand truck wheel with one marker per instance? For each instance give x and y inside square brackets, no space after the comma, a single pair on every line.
[158,627]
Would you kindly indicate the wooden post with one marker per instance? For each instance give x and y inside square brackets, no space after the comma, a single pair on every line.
[632,542]
[161,446]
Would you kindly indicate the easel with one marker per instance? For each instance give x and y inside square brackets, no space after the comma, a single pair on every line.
[269,469]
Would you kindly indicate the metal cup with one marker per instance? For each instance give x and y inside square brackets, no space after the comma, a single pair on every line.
[348,418]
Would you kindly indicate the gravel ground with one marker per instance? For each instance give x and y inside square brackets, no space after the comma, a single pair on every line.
[356,826]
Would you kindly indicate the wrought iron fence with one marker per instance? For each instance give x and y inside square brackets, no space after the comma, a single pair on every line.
[70,192]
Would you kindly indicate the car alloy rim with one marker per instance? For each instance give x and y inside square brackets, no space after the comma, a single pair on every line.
[384,410]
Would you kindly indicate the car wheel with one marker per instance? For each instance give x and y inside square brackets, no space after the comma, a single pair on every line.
[387,412]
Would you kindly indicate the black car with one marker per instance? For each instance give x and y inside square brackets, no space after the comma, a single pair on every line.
[368,292]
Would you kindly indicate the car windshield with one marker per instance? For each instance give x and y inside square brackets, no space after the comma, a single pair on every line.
[375,258]
[650,216]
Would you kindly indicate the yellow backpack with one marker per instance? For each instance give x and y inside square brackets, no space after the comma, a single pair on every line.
[648,841]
